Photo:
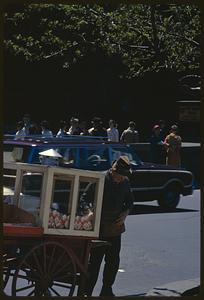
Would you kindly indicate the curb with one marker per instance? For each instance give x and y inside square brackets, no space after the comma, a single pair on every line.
[176,288]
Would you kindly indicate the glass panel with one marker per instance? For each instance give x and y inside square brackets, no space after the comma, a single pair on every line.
[30,195]
[127,151]
[86,205]
[9,177]
[15,153]
[8,157]
[69,156]
[60,208]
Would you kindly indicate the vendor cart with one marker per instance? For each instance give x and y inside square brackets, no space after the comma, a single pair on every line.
[48,229]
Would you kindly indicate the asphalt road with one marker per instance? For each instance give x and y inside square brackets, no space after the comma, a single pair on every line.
[158,247]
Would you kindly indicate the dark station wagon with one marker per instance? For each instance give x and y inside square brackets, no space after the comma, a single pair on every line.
[149,181]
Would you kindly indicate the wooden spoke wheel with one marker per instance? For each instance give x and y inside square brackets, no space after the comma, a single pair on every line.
[6,270]
[8,265]
[48,269]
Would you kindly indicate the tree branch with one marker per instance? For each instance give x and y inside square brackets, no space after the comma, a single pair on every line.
[55,53]
[154,30]
[185,38]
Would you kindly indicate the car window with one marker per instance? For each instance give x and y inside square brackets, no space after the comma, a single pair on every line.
[15,153]
[94,158]
[128,151]
[69,155]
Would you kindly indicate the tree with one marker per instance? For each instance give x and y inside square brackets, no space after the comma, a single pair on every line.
[145,37]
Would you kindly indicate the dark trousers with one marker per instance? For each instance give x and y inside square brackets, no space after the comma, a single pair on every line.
[111,256]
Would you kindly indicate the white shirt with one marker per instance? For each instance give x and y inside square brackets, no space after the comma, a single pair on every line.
[90,130]
[113,134]
[130,135]
[61,133]
[20,134]
[47,133]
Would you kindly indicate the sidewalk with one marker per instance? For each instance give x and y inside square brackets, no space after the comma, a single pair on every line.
[175,288]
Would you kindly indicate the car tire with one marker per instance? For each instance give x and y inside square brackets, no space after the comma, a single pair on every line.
[170,198]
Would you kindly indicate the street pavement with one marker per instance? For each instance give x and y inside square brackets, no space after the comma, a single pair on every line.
[160,253]
[160,250]
[174,289]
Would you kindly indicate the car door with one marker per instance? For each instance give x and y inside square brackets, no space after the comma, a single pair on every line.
[94,157]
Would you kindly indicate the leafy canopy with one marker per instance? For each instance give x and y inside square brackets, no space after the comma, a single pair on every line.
[145,37]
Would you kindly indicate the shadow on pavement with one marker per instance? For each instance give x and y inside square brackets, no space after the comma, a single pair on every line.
[136,295]
[151,209]
[192,292]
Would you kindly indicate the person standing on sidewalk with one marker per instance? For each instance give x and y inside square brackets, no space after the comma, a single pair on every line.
[45,130]
[62,130]
[112,132]
[74,128]
[163,129]
[97,129]
[27,123]
[117,203]
[20,133]
[156,145]
[172,144]
[130,135]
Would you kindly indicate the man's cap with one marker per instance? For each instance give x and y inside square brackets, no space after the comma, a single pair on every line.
[122,166]
[51,153]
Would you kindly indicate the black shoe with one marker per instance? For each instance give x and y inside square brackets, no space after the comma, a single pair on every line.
[107,291]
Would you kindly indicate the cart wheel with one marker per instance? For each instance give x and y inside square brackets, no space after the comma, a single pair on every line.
[8,266]
[6,271]
[48,269]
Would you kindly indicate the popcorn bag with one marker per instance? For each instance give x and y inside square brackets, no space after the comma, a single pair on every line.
[62,221]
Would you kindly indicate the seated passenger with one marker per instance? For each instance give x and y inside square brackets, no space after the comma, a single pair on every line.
[50,157]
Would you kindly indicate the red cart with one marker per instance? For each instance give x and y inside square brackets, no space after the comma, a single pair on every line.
[43,260]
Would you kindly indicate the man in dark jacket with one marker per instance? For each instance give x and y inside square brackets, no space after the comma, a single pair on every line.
[117,203]
[97,129]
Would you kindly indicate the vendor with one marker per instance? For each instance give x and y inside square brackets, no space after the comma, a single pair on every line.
[117,203]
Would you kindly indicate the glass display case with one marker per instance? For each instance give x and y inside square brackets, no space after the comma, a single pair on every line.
[64,201]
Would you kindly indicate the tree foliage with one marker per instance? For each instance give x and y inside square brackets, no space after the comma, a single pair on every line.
[145,37]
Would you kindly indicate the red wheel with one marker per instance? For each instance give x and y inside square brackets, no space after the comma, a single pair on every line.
[8,265]
[48,269]
[6,271]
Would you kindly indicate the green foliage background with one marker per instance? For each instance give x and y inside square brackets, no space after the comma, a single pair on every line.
[145,37]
